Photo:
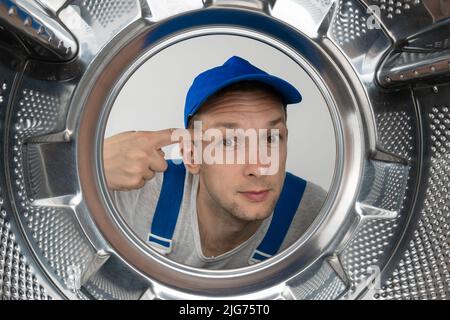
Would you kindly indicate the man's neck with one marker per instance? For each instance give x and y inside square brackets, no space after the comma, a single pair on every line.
[220,232]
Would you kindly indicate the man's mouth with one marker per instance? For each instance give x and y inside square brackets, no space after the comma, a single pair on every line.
[256,195]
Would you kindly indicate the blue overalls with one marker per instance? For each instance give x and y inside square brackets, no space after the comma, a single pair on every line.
[171,197]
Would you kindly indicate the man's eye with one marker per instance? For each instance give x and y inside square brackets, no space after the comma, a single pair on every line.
[273,138]
[229,143]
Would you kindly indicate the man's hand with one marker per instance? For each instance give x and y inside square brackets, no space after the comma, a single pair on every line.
[131,158]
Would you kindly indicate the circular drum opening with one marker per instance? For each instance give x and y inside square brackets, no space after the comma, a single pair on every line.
[153,99]
[310,66]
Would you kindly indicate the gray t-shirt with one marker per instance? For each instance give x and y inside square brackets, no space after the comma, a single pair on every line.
[138,206]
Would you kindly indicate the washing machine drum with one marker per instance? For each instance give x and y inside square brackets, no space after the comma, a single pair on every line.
[382,67]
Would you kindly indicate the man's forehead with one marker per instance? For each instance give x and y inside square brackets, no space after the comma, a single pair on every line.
[244,97]
[242,117]
[243,109]
[241,122]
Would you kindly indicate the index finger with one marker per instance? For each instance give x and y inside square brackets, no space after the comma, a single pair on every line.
[170,136]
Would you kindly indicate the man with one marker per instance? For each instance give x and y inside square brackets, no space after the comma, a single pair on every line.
[216,215]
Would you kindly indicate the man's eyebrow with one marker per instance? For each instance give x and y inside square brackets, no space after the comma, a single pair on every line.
[276,121]
[234,125]
[224,125]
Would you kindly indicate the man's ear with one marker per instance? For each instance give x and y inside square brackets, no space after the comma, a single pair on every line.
[187,150]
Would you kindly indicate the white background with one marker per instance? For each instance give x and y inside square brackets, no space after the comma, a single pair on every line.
[154,97]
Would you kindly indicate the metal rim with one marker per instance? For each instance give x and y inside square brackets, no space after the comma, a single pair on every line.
[286,264]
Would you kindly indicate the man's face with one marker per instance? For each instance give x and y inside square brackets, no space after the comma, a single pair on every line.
[244,190]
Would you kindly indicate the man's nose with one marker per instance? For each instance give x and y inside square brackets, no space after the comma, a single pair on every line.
[255,163]
[256,170]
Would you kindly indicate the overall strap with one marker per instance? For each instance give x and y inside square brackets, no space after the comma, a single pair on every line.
[167,208]
[285,210]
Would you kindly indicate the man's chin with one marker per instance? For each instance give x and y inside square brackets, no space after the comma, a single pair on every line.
[254,216]
[253,211]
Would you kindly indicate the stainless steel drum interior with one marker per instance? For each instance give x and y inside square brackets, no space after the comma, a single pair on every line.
[382,66]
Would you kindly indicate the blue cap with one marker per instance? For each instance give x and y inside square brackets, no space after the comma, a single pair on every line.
[233,70]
